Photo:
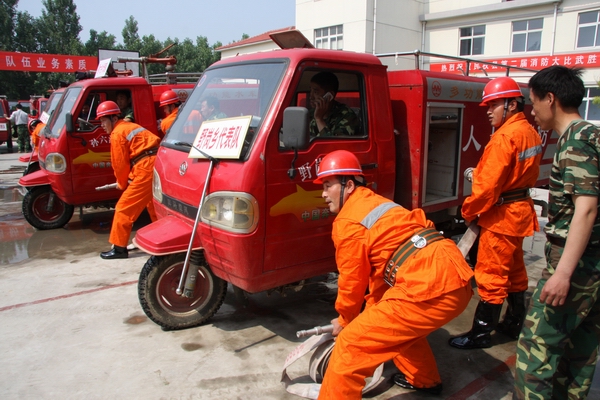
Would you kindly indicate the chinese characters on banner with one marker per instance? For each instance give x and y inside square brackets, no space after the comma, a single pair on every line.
[221,138]
[581,60]
[33,62]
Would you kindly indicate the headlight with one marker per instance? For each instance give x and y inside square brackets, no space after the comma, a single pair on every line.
[232,211]
[55,162]
[156,187]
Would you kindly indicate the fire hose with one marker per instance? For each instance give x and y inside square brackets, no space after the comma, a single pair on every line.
[110,186]
[322,343]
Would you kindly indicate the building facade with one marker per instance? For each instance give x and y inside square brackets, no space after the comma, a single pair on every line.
[530,34]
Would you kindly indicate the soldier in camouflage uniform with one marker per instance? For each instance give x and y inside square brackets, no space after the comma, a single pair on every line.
[331,118]
[558,345]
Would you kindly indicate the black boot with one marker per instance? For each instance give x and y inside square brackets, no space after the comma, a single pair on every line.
[115,252]
[400,380]
[485,321]
[515,314]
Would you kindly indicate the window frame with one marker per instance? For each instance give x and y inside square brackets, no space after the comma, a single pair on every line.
[588,103]
[325,35]
[580,26]
[471,38]
[528,32]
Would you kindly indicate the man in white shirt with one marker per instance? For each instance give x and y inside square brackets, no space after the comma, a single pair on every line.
[20,119]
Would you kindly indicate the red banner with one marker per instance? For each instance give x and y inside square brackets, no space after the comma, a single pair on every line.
[33,62]
[581,60]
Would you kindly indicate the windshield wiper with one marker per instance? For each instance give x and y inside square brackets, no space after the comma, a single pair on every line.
[186,144]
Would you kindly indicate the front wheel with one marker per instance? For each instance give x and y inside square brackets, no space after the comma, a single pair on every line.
[43,209]
[157,293]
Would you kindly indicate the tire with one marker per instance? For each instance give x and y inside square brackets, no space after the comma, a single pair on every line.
[32,167]
[158,282]
[35,203]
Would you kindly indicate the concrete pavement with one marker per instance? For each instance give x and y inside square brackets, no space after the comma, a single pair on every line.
[72,327]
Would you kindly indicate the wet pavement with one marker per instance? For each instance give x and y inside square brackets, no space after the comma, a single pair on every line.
[72,326]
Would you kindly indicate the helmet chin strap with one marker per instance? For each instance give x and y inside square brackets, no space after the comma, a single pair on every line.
[505,110]
[343,181]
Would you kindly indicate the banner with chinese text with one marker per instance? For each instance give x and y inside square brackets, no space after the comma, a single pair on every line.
[33,62]
[581,60]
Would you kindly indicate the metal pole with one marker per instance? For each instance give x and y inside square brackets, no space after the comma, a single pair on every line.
[186,263]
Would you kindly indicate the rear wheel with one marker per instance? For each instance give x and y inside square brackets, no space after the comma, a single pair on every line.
[43,209]
[157,287]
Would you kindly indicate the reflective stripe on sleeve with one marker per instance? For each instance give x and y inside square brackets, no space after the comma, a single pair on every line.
[134,132]
[376,213]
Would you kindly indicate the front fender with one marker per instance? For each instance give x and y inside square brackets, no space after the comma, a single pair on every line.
[168,235]
[37,178]
[29,157]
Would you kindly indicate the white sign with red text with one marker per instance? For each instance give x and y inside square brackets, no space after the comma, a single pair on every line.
[221,138]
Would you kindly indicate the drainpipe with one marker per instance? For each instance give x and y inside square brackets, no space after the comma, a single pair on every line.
[554,28]
[374,24]
[423,29]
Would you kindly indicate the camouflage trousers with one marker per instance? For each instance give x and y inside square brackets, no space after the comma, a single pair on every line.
[23,140]
[558,346]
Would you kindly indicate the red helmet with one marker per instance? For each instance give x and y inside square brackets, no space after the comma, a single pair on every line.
[168,97]
[32,124]
[339,162]
[107,108]
[500,88]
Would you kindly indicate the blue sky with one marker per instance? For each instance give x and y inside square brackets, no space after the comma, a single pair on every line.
[223,20]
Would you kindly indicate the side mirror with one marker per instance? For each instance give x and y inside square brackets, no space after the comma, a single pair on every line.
[295,133]
[69,123]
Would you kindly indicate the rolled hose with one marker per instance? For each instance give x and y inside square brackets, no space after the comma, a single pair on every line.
[322,344]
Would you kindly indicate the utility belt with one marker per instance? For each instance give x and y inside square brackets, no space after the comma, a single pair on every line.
[422,238]
[513,195]
[144,154]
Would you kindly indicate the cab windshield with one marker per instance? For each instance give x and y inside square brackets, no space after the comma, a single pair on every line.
[57,122]
[227,92]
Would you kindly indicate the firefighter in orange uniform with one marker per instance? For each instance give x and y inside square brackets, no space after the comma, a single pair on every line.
[500,204]
[169,102]
[425,287]
[132,151]
[35,126]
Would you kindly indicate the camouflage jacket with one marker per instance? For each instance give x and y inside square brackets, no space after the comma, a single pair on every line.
[340,121]
[574,172]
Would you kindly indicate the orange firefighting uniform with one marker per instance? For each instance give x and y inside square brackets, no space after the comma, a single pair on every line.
[35,136]
[127,141]
[510,161]
[432,287]
[166,123]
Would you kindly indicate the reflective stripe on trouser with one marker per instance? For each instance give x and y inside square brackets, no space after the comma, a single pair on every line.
[558,346]
[500,268]
[136,197]
[392,328]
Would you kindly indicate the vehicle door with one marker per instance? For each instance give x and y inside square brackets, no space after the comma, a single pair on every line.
[298,228]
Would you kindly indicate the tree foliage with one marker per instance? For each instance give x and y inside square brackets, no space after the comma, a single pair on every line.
[57,31]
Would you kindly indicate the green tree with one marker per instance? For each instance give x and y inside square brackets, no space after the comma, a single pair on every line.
[25,33]
[131,38]
[59,27]
[102,40]
[7,23]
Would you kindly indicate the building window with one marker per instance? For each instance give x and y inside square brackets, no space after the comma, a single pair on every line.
[331,37]
[472,40]
[527,35]
[588,34]
[588,109]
